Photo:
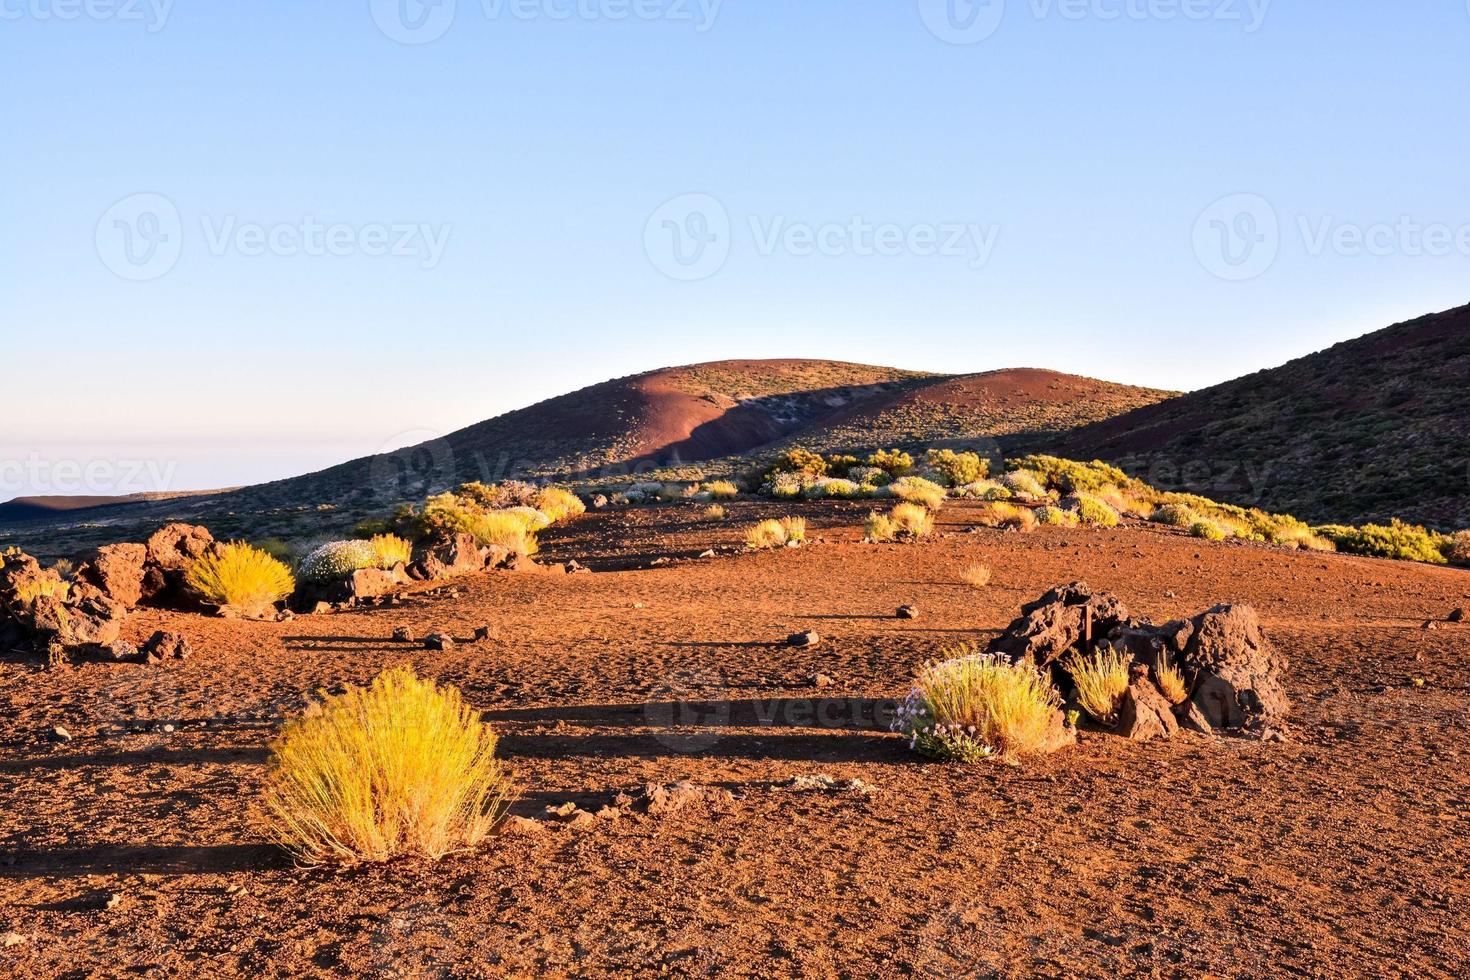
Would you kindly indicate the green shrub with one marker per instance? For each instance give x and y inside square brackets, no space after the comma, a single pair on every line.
[1095,513]
[1069,477]
[1055,517]
[957,469]
[894,462]
[1394,540]
[917,490]
[798,460]
[1459,549]
[1174,515]
[1023,482]
[1208,530]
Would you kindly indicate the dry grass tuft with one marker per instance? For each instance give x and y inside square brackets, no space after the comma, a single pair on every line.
[241,577]
[559,504]
[714,512]
[977,706]
[399,767]
[976,575]
[794,528]
[391,550]
[1170,679]
[879,527]
[1101,680]
[913,520]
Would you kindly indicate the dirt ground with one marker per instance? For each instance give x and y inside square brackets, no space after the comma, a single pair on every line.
[135,848]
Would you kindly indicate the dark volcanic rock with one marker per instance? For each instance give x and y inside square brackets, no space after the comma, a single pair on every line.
[1144,712]
[1062,620]
[116,570]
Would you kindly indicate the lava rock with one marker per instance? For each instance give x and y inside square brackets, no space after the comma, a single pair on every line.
[439,641]
[1144,712]
[166,645]
[806,638]
[402,635]
[907,612]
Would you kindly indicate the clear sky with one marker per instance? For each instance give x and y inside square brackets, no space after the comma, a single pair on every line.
[247,240]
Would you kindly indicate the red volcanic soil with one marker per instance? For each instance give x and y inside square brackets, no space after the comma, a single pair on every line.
[1340,852]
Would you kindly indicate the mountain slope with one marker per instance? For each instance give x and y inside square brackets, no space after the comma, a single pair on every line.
[1369,429]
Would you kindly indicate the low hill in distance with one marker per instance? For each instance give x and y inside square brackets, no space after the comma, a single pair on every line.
[1370,429]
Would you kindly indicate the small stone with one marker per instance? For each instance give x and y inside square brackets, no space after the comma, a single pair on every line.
[563,811]
[403,635]
[822,680]
[438,641]
[12,939]
[168,729]
[321,608]
[581,820]
[111,901]
[1430,624]
[483,633]
[908,612]
[707,553]
[806,638]
[522,827]
[1458,616]
[60,734]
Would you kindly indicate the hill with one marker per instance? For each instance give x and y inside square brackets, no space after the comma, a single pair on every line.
[1369,429]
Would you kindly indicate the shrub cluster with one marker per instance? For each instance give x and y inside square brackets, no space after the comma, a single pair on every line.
[975,706]
[776,533]
[240,577]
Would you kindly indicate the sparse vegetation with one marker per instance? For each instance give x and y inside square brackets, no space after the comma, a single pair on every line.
[722,490]
[773,533]
[957,469]
[391,550]
[337,559]
[1049,516]
[400,767]
[1174,515]
[1395,540]
[1208,530]
[912,520]
[975,706]
[879,527]
[976,576]
[894,462]
[1459,549]
[714,512]
[558,504]
[1094,513]
[917,490]
[240,577]
[1101,678]
[1170,679]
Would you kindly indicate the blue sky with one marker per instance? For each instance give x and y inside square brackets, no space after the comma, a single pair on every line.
[342,242]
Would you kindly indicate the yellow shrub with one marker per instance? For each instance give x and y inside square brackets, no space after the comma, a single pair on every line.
[1170,679]
[976,576]
[722,490]
[976,706]
[240,577]
[714,512]
[917,490]
[391,550]
[766,534]
[913,520]
[559,504]
[507,529]
[1101,680]
[794,529]
[399,767]
[51,586]
[879,527]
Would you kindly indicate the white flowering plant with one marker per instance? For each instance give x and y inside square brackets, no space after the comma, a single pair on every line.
[337,560]
[977,706]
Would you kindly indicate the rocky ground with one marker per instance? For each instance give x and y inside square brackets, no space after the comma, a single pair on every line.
[806,840]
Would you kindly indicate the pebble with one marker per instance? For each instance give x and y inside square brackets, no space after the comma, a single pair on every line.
[807,638]
[60,734]
[908,612]
[12,939]
[822,680]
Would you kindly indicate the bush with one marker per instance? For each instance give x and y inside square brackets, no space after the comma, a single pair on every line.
[399,767]
[1459,549]
[838,489]
[507,493]
[1174,515]
[894,462]
[1208,530]
[917,490]
[536,520]
[1055,517]
[879,528]
[1170,679]
[1101,680]
[976,576]
[337,560]
[797,460]
[977,706]
[714,512]
[785,486]
[957,469]
[1070,477]
[1395,540]
[508,529]
[912,520]
[558,504]
[776,534]
[869,476]
[1095,513]
[1023,483]
[722,490]
[240,577]
[391,550]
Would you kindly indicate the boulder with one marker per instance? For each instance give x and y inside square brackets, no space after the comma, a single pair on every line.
[116,570]
[1144,712]
[1237,673]
[1067,618]
[166,645]
[806,638]
[448,557]
[171,550]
